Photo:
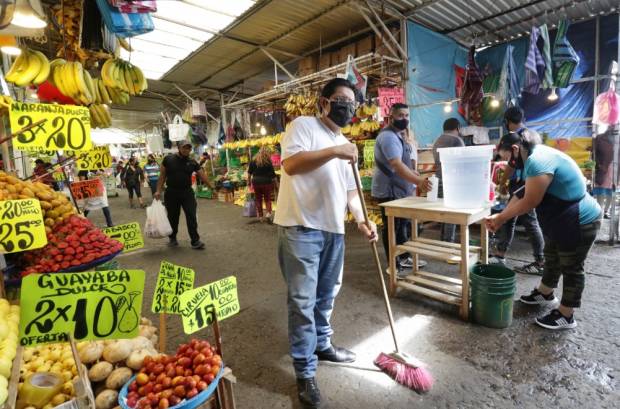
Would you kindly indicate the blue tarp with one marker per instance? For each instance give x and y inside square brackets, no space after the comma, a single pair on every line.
[432,57]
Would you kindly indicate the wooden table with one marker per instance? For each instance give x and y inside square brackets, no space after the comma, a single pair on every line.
[440,287]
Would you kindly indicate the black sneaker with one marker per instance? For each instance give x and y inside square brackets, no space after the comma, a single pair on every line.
[538,298]
[309,393]
[555,320]
[173,243]
[532,268]
[336,354]
[198,245]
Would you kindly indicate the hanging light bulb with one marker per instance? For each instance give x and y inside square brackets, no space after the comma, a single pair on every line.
[28,14]
[553,96]
[263,131]
[8,45]
[494,103]
[447,108]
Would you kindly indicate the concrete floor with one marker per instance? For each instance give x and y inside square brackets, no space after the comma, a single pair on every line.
[523,366]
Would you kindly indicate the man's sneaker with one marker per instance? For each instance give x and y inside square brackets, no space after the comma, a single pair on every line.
[538,298]
[407,263]
[309,393]
[497,260]
[555,320]
[198,245]
[173,243]
[532,268]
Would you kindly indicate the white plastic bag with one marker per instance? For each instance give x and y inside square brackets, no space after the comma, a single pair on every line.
[157,225]
[178,129]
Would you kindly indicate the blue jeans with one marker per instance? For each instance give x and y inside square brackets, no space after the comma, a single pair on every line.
[311,262]
[153,185]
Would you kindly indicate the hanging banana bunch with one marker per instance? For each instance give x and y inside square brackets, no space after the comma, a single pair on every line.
[123,75]
[31,67]
[100,116]
[73,80]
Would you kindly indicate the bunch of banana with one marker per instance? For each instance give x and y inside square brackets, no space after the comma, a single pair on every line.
[73,80]
[366,110]
[31,67]
[123,75]
[370,126]
[68,15]
[299,104]
[5,103]
[100,116]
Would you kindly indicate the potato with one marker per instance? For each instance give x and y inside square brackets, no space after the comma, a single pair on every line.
[118,350]
[90,352]
[100,371]
[141,342]
[106,399]
[118,378]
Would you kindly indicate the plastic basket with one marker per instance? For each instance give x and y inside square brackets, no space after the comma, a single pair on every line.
[192,403]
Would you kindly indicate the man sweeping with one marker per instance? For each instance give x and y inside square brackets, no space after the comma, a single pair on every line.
[317,186]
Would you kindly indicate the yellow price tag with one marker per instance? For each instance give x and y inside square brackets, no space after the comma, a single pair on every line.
[67,127]
[200,305]
[94,159]
[89,306]
[129,234]
[22,226]
[172,281]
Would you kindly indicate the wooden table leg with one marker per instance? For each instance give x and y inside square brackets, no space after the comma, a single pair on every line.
[465,271]
[392,255]
[484,244]
[414,236]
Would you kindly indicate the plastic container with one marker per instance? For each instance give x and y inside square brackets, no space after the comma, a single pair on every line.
[432,195]
[492,292]
[466,175]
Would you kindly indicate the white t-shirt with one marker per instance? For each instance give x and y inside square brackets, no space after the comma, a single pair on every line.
[317,199]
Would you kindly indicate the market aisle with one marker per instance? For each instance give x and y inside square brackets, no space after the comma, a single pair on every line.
[474,367]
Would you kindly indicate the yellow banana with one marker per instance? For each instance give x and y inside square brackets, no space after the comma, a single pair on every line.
[106,73]
[31,71]
[78,76]
[126,80]
[90,85]
[137,79]
[97,94]
[66,73]
[45,68]
[103,92]
[94,116]
[19,66]
[123,43]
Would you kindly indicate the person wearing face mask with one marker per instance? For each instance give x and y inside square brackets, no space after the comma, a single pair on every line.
[569,218]
[450,138]
[395,177]
[513,174]
[316,188]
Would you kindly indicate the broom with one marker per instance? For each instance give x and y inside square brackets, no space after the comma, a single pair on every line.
[403,368]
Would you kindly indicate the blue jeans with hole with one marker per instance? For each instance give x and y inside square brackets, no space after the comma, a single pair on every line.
[311,262]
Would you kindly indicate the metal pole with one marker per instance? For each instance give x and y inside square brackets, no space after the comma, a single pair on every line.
[223,118]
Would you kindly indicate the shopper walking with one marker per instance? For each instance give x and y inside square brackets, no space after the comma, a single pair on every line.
[152,173]
[317,186]
[568,215]
[603,171]
[96,203]
[451,138]
[395,177]
[263,179]
[132,178]
[514,122]
[176,173]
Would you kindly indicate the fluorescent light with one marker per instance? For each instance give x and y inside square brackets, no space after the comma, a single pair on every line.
[28,15]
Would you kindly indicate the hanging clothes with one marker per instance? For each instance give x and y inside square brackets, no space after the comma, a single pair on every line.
[534,65]
[472,94]
[545,47]
[565,59]
[508,89]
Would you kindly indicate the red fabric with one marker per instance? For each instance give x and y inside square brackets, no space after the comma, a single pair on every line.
[459,74]
[131,6]
[263,193]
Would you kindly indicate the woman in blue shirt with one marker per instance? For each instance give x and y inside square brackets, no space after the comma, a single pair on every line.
[569,218]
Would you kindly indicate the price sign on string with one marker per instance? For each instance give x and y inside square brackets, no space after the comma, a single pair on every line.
[94,159]
[369,153]
[172,281]
[87,188]
[389,97]
[21,226]
[89,306]
[67,127]
[129,234]
[200,306]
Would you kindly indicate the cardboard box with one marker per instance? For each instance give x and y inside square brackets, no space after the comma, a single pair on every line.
[345,52]
[307,66]
[380,42]
[365,45]
[325,61]
[268,85]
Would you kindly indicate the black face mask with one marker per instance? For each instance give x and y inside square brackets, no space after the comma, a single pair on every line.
[341,113]
[400,124]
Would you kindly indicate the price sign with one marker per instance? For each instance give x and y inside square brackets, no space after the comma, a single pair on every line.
[172,281]
[389,97]
[369,153]
[89,306]
[67,127]
[87,189]
[200,305]
[94,159]
[129,234]
[21,226]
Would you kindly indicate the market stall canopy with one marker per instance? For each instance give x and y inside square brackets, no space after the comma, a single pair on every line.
[112,136]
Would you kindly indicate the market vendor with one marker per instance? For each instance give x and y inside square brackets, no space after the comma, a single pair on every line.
[317,186]
[569,218]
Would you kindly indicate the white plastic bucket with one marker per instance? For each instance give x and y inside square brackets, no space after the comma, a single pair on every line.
[466,175]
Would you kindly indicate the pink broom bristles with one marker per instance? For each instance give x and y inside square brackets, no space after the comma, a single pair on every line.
[413,377]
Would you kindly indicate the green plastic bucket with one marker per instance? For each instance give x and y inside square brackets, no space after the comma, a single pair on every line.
[492,292]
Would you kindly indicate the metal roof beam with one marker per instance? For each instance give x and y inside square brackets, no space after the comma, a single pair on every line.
[277,63]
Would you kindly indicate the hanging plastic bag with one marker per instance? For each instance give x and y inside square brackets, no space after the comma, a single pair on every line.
[157,225]
[177,130]
[607,108]
[249,208]
[125,24]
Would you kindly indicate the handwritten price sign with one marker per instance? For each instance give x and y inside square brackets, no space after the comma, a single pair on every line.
[200,305]
[94,159]
[67,127]
[89,306]
[172,282]
[389,97]
[87,189]
[129,234]
[21,226]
